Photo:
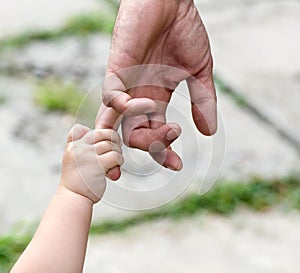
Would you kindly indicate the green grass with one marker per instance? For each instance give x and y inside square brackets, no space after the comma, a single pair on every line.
[89,23]
[55,95]
[223,87]
[224,199]
[2,99]
[113,4]
[27,37]
[79,25]
[10,249]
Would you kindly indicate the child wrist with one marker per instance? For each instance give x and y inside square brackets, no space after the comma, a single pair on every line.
[68,193]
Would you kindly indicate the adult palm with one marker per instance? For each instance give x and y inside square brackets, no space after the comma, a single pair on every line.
[166,33]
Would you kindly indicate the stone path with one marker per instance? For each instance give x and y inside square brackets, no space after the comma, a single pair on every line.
[255,51]
[261,153]
[246,242]
[19,16]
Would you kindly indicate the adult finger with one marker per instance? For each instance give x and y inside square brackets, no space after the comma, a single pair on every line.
[204,103]
[114,94]
[126,105]
[108,118]
[153,136]
[167,157]
[147,139]
[114,173]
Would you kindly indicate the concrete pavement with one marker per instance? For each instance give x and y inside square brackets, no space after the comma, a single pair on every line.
[256,53]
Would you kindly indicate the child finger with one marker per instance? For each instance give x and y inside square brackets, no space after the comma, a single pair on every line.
[77,132]
[103,147]
[110,160]
[97,135]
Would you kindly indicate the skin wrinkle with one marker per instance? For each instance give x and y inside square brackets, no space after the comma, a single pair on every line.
[169,33]
[205,74]
[159,56]
[153,37]
[192,62]
[165,29]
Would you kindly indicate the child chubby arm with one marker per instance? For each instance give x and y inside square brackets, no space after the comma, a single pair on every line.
[59,244]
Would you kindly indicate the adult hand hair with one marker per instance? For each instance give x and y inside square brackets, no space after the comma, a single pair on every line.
[169,33]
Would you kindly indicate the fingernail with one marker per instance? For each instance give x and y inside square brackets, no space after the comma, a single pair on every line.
[176,169]
[171,168]
[156,147]
[172,134]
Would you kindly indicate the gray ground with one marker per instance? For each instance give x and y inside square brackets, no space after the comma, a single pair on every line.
[246,242]
[255,47]
[17,16]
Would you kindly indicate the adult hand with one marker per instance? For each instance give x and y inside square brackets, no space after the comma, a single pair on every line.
[161,32]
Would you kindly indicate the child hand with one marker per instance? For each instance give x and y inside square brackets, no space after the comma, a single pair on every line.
[88,156]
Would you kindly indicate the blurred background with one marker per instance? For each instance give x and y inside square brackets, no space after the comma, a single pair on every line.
[53,52]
